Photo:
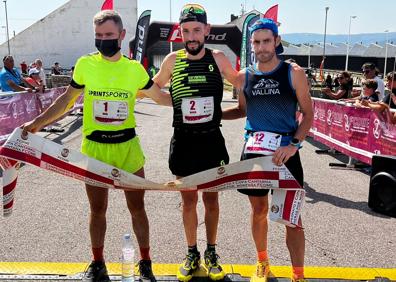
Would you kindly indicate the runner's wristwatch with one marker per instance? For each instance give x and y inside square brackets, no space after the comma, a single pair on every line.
[295,142]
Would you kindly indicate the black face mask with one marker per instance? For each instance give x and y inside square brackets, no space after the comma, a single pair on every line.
[108,47]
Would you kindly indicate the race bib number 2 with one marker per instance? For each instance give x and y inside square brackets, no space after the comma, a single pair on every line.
[197,110]
[262,142]
[110,112]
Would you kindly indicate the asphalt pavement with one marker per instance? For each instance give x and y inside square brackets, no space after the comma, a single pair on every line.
[50,218]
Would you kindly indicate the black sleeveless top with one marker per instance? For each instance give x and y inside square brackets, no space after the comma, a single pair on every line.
[196,78]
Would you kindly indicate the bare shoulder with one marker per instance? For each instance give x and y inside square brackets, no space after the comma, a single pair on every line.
[171,57]
[216,52]
[169,61]
[297,69]
[219,55]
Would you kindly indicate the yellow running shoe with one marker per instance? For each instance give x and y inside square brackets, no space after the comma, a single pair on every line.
[215,271]
[189,266]
[262,271]
[299,280]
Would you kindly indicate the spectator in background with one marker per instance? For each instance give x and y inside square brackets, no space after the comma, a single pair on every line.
[32,66]
[369,72]
[329,82]
[10,78]
[389,101]
[344,90]
[24,68]
[34,80]
[310,76]
[56,69]
[39,67]
[336,83]
[368,95]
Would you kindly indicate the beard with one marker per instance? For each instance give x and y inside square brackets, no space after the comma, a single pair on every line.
[196,51]
[265,57]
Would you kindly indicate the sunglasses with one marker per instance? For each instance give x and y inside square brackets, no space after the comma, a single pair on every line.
[194,9]
[366,71]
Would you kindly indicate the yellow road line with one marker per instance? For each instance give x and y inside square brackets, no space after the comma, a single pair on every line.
[58,268]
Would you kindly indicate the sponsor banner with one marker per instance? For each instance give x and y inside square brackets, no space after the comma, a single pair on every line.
[228,34]
[356,132]
[382,135]
[9,180]
[356,126]
[245,44]
[47,98]
[286,207]
[141,35]
[18,108]
[248,57]
[259,173]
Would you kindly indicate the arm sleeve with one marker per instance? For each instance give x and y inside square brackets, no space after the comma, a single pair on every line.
[144,79]
[78,78]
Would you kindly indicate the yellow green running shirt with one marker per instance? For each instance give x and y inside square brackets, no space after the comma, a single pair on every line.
[109,91]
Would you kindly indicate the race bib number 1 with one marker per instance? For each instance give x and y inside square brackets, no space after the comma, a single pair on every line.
[110,112]
[262,142]
[197,110]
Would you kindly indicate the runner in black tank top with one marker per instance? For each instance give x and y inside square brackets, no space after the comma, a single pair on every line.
[197,143]
[196,91]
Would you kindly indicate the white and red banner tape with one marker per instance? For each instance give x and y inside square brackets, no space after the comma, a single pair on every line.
[259,173]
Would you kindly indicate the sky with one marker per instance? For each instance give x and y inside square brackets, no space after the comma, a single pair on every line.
[296,16]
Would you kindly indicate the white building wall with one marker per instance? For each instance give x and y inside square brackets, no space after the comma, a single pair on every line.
[67,33]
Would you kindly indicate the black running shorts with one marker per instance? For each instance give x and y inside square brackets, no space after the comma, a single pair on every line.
[293,164]
[193,152]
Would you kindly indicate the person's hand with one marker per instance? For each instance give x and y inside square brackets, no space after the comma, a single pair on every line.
[326,90]
[28,89]
[31,126]
[283,154]
[365,103]
[357,103]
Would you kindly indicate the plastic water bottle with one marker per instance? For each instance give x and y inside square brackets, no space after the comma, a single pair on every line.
[128,257]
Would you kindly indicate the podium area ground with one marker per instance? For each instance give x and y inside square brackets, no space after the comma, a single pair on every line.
[47,237]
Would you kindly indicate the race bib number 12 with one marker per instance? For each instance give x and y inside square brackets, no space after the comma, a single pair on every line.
[262,142]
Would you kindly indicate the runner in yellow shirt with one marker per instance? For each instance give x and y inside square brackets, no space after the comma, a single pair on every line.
[111,83]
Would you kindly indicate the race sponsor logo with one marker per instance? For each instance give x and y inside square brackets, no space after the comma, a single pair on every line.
[346,124]
[197,79]
[266,87]
[65,152]
[115,172]
[329,117]
[109,94]
[170,184]
[275,208]
[140,42]
[376,129]
[221,170]
[175,35]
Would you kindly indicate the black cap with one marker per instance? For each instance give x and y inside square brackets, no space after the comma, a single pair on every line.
[193,13]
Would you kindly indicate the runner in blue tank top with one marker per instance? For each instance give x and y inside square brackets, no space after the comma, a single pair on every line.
[271,91]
